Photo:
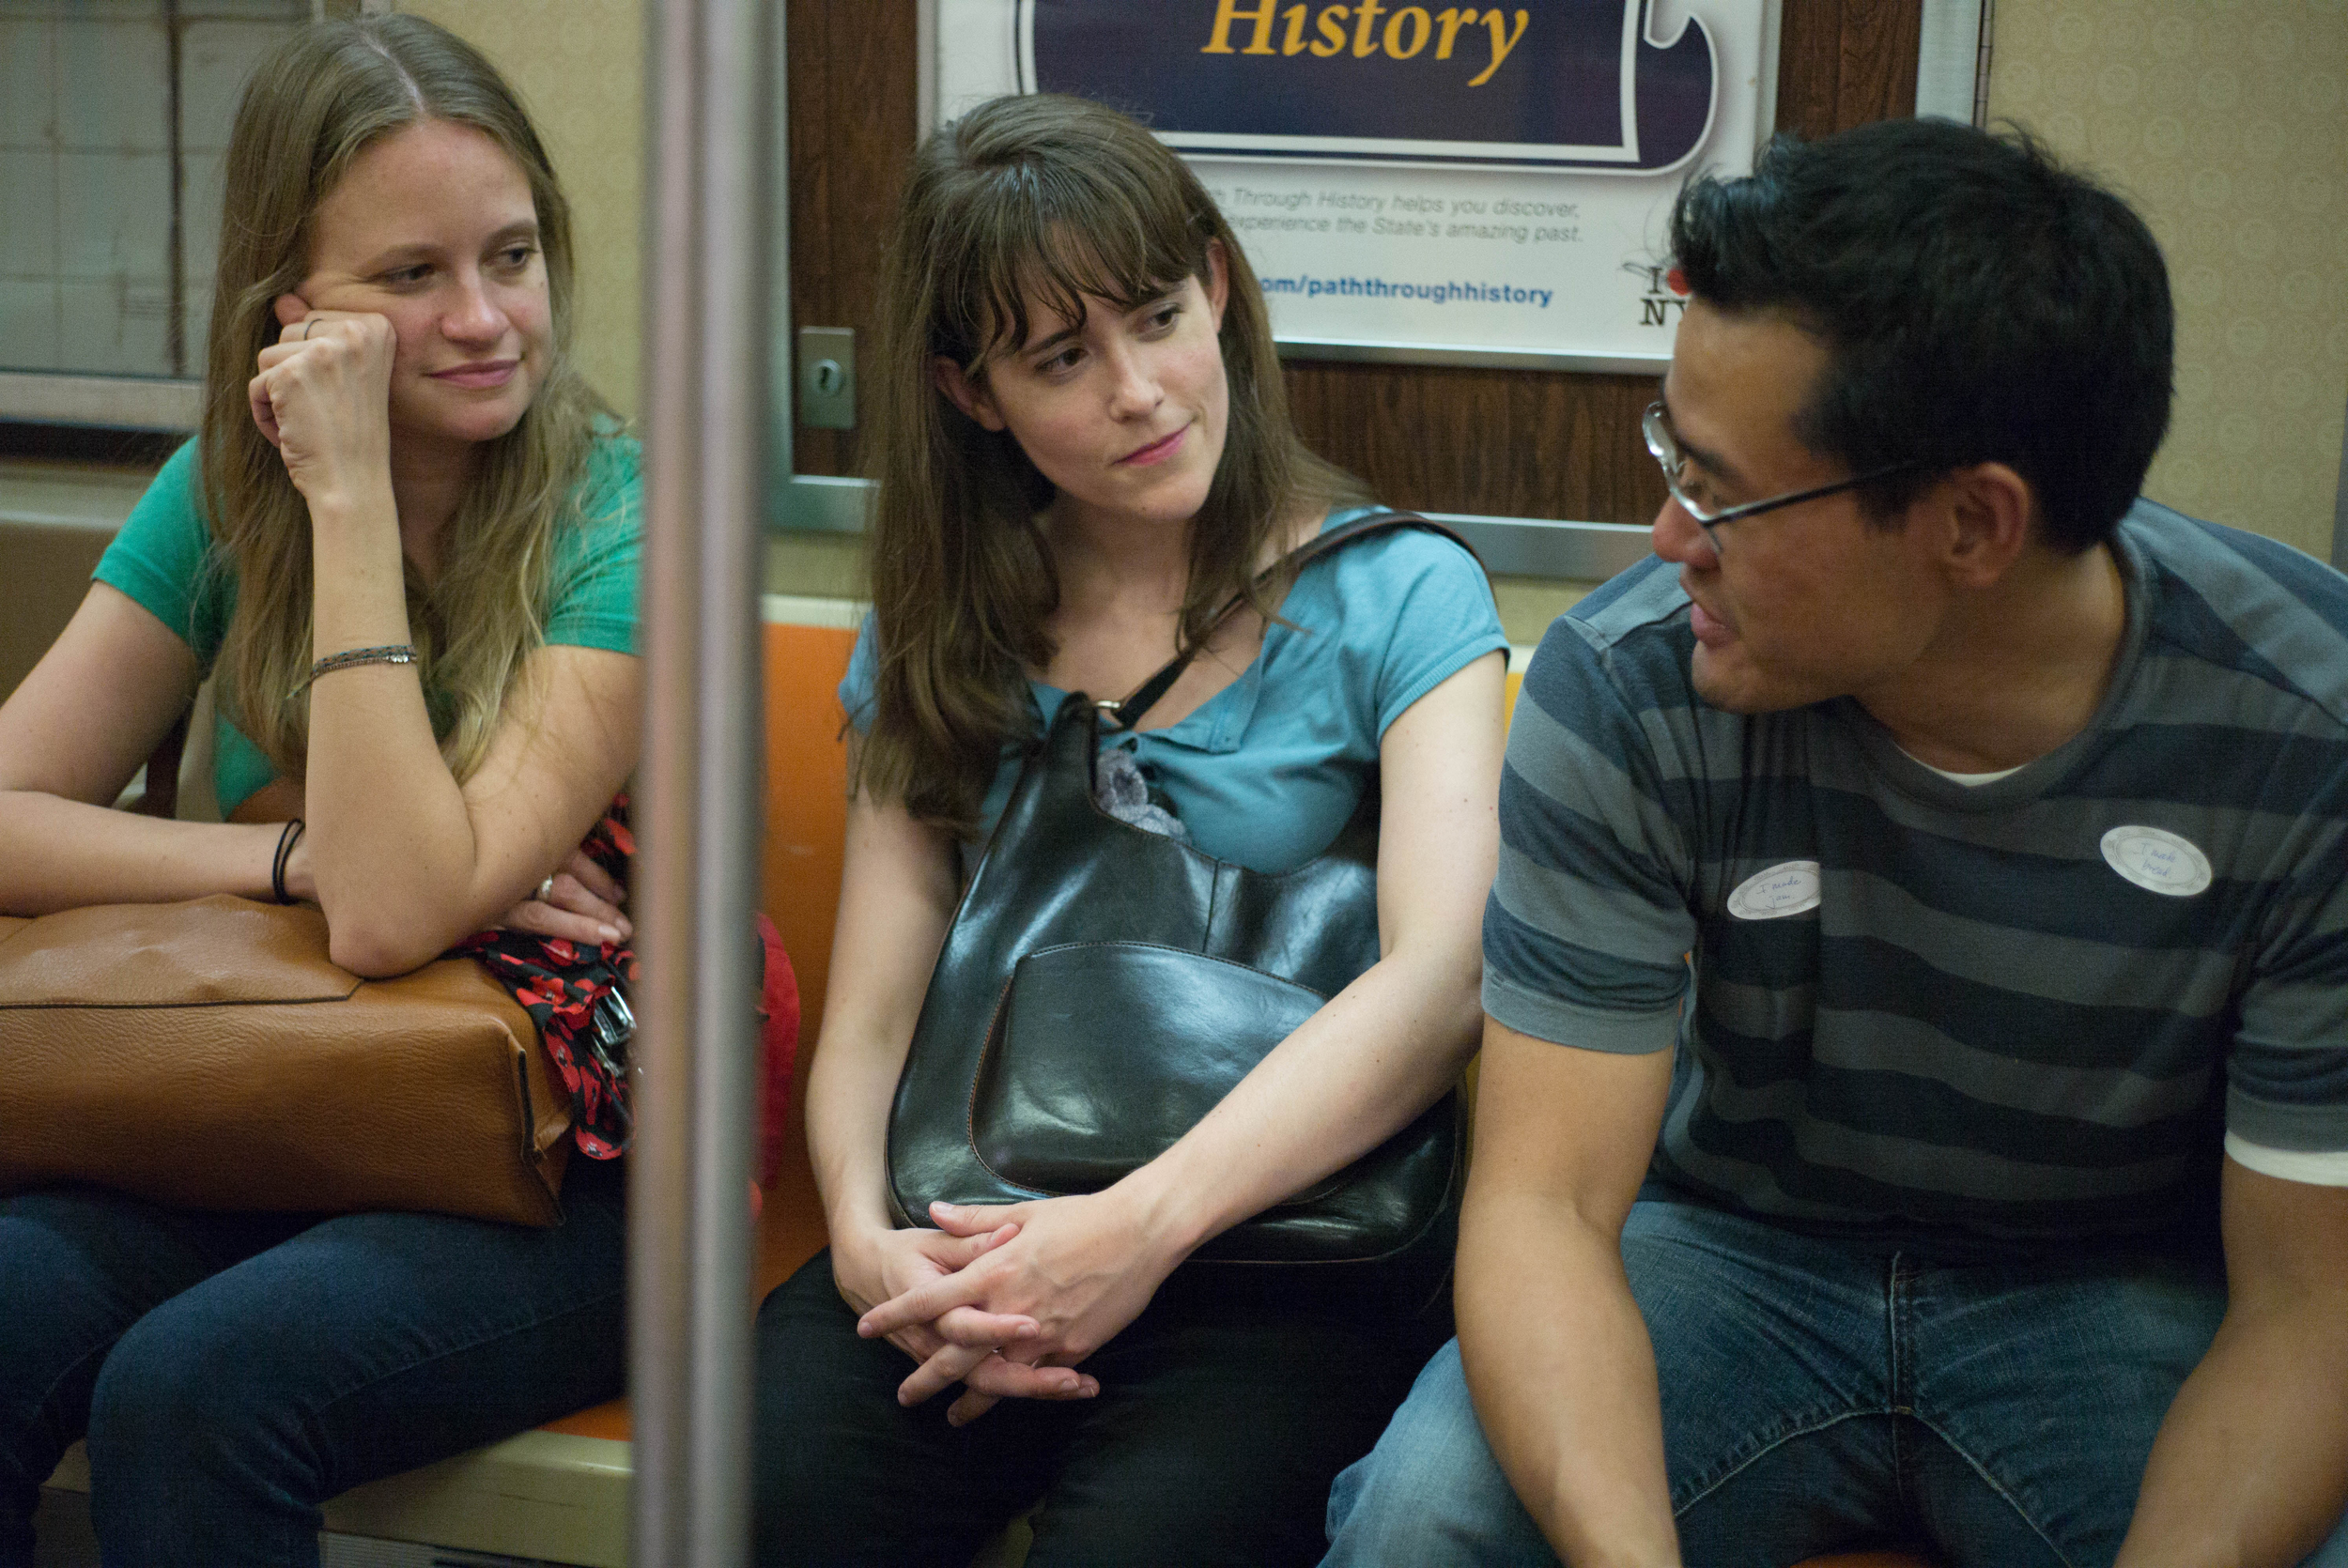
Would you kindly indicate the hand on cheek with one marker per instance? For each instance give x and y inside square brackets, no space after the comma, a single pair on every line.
[321,395]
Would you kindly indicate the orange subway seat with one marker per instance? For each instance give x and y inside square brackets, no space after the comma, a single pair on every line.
[807,817]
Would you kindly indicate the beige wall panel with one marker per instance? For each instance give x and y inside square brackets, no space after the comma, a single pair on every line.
[2226,123]
[579,66]
[1528,604]
[821,565]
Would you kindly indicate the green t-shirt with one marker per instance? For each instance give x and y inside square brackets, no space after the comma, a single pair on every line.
[165,560]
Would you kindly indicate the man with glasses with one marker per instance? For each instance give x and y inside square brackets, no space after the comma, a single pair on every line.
[1914,1102]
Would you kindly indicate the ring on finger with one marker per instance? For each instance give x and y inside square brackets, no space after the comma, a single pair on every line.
[546,891]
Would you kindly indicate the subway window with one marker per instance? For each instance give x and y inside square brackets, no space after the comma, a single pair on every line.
[114,129]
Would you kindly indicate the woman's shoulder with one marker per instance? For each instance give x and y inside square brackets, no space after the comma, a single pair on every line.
[1386,619]
[162,556]
[1396,564]
[1402,594]
[606,519]
[600,548]
[175,498]
[611,490]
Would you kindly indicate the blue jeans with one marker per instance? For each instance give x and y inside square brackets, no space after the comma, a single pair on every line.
[234,1370]
[1825,1393]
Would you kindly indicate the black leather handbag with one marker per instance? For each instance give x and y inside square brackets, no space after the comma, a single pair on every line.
[1102,987]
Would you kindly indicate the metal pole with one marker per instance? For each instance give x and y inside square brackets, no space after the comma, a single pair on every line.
[705,426]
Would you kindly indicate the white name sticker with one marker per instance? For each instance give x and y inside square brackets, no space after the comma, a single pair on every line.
[2157,861]
[1772,895]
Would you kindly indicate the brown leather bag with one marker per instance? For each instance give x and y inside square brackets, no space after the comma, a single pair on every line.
[210,1054]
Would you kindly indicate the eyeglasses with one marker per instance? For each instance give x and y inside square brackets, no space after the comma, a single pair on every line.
[1654,425]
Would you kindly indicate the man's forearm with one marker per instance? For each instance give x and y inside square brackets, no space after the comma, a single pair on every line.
[1563,1376]
[2250,1468]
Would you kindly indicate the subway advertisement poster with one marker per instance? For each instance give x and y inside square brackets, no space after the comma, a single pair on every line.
[1432,181]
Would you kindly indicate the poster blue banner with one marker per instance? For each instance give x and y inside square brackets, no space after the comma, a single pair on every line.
[1542,84]
[1442,183]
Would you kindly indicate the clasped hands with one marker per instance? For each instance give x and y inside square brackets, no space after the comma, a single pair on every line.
[1007,1300]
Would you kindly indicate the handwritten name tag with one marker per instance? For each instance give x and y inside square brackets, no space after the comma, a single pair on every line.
[1791,888]
[2157,861]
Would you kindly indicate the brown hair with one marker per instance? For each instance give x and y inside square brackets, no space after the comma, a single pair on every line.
[312,106]
[1027,205]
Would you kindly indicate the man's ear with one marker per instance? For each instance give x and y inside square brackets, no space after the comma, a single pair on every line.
[1989,514]
[965,393]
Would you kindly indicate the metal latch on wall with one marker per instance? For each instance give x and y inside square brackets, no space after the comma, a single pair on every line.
[827,378]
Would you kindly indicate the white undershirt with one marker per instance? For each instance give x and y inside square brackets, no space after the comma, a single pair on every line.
[1971,780]
[2317,1168]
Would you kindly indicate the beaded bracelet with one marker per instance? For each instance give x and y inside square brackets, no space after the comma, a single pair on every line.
[390,652]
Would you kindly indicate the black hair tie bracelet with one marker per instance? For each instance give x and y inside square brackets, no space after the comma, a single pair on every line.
[286,842]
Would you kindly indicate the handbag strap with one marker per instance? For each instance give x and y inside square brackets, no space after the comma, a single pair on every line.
[1128,714]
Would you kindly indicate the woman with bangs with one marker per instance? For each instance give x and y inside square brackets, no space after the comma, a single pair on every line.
[405,542]
[1084,453]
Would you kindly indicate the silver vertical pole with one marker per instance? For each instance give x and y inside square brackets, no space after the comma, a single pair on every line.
[706,348]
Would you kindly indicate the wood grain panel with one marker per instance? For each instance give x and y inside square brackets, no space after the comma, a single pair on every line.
[1842,63]
[1508,443]
[853,89]
[1877,80]
[1810,65]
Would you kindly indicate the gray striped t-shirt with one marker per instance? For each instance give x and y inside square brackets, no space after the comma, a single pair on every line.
[2031,1007]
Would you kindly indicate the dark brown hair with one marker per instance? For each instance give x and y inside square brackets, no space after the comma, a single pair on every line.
[1027,205]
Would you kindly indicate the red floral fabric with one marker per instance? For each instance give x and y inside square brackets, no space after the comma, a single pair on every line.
[578,997]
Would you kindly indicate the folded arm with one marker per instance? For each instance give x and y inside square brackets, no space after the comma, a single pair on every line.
[403,859]
[2251,1468]
[73,734]
[1558,1356]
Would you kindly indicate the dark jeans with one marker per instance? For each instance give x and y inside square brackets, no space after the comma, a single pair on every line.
[234,1370]
[1821,1393]
[1213,1440]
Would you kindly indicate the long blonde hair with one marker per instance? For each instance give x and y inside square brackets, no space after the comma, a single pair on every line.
[313,105]
[1025,203]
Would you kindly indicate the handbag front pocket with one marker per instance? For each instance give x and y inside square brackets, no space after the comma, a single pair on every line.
[1102,1054]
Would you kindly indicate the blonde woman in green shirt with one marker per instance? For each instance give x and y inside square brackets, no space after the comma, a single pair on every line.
[404,546]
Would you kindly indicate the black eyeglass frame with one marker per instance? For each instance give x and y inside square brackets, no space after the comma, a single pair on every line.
[1664,448]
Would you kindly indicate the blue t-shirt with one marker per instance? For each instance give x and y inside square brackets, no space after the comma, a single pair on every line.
[165,559]
[1267,771]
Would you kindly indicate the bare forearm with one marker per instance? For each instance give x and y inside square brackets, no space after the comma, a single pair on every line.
[2251,1468]
[59,853]
[1563,1376]
[1358,1071]
[896,895]
[390,836]
[849,1092]
[390,843]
